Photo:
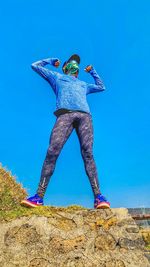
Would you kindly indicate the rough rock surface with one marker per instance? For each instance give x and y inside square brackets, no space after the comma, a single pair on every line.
[91,238]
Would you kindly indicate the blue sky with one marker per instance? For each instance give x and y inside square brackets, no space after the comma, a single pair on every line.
[114,37]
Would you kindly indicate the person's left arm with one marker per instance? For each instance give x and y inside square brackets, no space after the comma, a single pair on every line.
[98,86]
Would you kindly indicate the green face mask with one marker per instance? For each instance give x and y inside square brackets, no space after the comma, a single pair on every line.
[71,67]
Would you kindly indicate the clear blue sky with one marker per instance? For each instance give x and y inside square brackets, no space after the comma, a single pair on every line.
[112,35]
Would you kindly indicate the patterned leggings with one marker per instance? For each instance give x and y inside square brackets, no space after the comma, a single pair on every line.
[64,125]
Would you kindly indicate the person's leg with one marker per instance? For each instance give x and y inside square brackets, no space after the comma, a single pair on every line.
[84,130]
[59,135]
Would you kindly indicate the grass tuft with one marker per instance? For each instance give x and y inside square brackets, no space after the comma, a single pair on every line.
[11,194]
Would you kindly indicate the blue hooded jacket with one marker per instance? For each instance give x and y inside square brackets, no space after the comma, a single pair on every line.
[70,91]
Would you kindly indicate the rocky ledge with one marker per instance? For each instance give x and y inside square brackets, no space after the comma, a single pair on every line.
[91,238]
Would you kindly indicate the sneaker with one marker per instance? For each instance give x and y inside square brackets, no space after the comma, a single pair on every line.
[101,202]
[34,201]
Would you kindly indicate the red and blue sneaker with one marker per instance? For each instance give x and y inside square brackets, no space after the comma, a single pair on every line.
[101,202]
[34,201]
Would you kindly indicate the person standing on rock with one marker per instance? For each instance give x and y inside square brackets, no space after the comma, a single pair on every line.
[72,112]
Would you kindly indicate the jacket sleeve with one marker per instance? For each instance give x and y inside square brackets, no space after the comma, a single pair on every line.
[98,86]
[48,75]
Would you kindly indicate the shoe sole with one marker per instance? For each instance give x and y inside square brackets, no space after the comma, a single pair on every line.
[103,206]
[27,203]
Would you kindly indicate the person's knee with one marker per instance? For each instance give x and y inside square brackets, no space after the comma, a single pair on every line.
[53,151]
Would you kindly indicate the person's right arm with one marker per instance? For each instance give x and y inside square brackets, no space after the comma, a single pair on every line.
[47,74]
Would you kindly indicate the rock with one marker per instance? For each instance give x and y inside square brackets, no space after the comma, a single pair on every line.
[132,229]
[131,244]
[82,237]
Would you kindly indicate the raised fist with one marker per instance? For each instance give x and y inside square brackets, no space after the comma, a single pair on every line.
[56,62]
[88,68]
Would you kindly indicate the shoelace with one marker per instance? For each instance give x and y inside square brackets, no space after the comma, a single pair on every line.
[101,198]
[36,197]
